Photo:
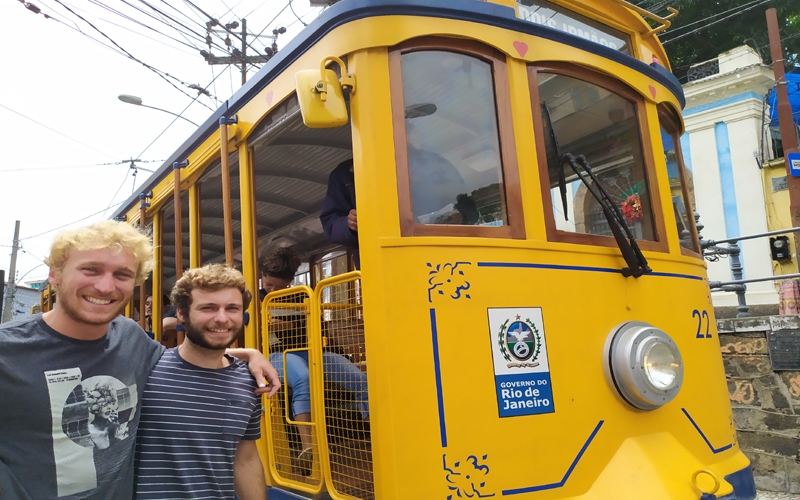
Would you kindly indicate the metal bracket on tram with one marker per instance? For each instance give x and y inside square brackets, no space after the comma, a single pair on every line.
[223,120]
[180,164]
[347,81]
[144,197]
[637,263]
[664,21]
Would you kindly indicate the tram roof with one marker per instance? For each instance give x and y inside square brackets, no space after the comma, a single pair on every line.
[352,10]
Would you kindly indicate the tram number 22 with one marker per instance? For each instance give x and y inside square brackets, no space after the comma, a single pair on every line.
[702,318]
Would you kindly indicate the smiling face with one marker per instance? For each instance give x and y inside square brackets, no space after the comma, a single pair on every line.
[93,288]
[215,318]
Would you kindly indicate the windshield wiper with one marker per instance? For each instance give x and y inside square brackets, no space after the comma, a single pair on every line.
[637,263]
[562,181]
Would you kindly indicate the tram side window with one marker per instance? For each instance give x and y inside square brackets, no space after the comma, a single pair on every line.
[583,118]
[680,181]
[450,114]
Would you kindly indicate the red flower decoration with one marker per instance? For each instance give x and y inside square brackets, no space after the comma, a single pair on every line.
[632,208]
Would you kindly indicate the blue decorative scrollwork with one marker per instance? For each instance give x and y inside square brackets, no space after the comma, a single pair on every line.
[466,478]
[448,279]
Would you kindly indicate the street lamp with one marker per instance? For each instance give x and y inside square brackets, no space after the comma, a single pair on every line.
[132,99]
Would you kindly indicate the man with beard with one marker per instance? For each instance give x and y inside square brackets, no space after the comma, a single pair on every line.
[72,379]
[200,417]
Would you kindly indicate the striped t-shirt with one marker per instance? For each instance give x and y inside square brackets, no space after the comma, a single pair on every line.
[192,421]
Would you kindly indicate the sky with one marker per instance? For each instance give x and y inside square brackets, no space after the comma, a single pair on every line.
[64,133]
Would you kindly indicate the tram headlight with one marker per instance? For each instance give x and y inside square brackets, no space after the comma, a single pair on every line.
[643,364]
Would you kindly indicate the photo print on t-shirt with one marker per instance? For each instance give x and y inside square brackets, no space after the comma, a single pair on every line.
[89,416]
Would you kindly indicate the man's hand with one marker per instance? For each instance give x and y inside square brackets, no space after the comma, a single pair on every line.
[352,221]
[261,369]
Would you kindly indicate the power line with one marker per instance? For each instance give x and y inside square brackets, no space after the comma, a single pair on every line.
[56,131]
[158,72]
[678,28]
[69,167]
[713,23]
[71,223]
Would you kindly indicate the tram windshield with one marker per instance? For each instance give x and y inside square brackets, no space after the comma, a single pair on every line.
[601,125]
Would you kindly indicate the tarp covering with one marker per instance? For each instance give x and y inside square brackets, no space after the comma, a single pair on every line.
[793,89]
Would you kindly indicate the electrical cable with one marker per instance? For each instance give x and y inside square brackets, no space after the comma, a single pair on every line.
[295,14]
[71,223]
[156,71]
[713,23]
[678,28]
[56,131]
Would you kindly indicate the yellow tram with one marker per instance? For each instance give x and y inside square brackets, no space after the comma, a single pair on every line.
[531,312]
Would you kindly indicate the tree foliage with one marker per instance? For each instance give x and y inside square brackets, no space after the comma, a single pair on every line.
[706,28]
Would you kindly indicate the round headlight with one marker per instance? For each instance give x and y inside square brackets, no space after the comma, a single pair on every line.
[643,364]
[661,364]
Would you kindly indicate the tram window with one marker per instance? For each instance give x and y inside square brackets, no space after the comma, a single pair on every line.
[584,118]
[680,180]
[454,145]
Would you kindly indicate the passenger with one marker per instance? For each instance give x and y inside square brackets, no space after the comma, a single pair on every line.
[288,330]
[338,215]
[72,379]
[197,384]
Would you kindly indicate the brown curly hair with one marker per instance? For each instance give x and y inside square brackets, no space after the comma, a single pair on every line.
[282,263]
[211,277]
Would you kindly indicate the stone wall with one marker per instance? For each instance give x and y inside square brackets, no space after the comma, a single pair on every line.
[766,403]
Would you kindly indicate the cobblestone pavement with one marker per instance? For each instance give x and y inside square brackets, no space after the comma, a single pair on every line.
[771,495]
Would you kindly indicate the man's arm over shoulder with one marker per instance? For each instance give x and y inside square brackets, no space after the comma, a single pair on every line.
[248,472]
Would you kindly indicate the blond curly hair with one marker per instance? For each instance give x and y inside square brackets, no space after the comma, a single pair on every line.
[117,236]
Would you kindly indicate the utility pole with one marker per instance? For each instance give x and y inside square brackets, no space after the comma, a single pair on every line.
[237,56]
[787,127]
[8,307]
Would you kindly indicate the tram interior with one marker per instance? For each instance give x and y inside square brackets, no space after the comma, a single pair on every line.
[291,165]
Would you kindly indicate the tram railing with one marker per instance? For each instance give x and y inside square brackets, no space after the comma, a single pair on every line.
[712,251]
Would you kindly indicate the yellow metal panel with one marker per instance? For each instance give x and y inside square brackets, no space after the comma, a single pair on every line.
[248,236]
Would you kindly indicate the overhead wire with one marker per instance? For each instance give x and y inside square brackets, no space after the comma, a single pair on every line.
[678,28]
[295,14]
[70,223]
[144,25]
[683,35]
[129,55]
[69,167]
[56,131]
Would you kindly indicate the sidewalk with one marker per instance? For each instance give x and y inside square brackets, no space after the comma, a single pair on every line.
[771,495]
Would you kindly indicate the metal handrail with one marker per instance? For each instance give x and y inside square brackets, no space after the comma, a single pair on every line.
[738,285]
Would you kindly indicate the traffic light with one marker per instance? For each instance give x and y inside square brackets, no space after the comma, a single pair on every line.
[779,246]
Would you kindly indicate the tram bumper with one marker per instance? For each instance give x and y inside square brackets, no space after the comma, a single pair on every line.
[658,467]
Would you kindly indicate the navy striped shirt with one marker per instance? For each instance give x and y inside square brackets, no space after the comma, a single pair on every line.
[192,421]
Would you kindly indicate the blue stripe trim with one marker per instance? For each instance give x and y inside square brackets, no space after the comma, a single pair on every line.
[581,268]
[341,13]
[686,149]
[438,374]
[563,481]
[723,102]
[727,183]
[710,447]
